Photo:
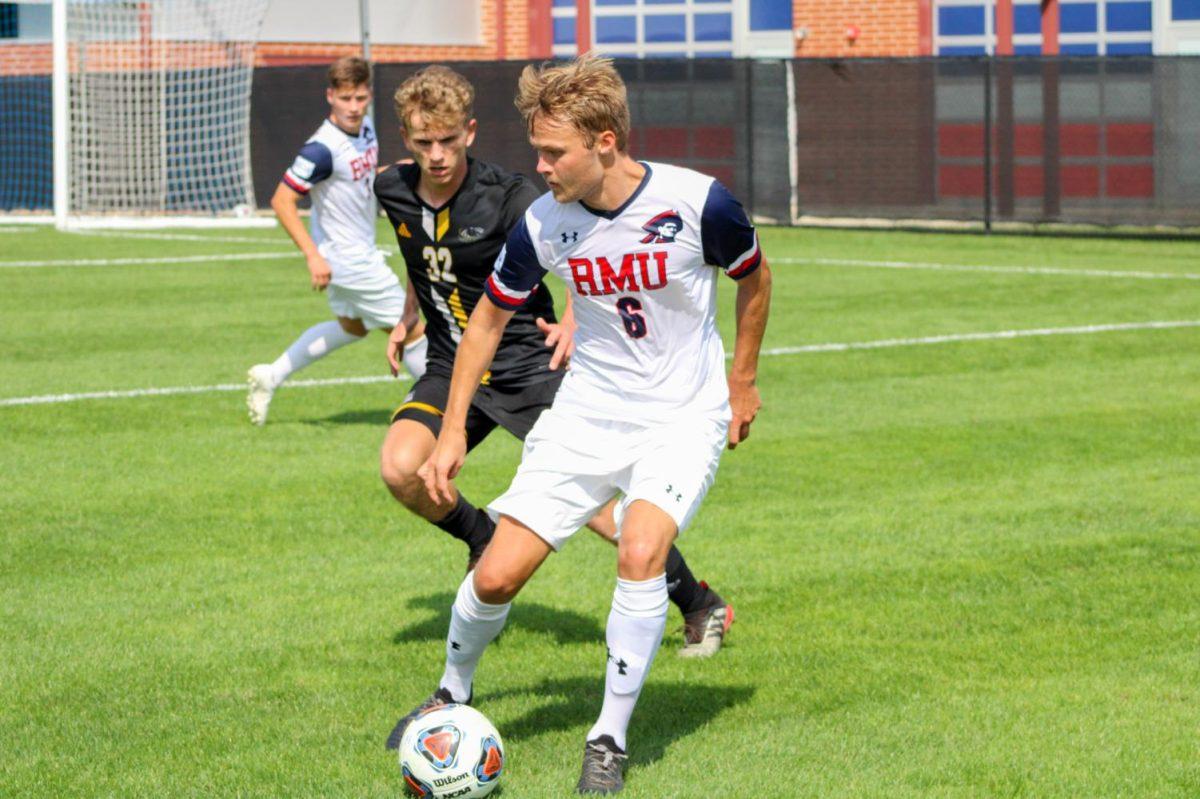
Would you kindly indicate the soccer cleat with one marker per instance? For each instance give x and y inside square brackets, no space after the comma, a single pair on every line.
[440,698]
[704,630]
[603,767]
[262,387]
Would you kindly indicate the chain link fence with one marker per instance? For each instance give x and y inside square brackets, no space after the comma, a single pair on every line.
[1106,141]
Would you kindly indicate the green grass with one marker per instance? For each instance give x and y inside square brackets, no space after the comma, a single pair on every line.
[960,570]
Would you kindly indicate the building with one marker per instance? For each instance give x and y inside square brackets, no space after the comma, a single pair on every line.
[313,31]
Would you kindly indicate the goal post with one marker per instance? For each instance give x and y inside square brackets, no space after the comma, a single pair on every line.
[150,105]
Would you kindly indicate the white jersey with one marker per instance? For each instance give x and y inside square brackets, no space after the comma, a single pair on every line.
[644,284]
[339,171]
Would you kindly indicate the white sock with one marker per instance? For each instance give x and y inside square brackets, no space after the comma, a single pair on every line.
[316,342]
[473,625]
[635,629]
[414,357]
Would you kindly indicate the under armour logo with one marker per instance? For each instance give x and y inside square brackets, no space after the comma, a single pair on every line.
[454,645]
[620,664]
[570,238]
[678,496]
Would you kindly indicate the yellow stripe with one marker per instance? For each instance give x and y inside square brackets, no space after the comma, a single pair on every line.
[420,406]
[443,223]
[456,308]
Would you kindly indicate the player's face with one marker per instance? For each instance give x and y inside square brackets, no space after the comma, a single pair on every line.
[440,152]
[348,106]
[572,170]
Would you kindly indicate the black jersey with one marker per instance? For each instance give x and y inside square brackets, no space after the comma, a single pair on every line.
[450,252]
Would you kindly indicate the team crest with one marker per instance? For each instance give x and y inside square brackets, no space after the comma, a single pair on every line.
[663,228]
[470,234]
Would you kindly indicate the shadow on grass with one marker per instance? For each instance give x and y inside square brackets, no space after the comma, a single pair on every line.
[567,626]
[666,712]
[376,417]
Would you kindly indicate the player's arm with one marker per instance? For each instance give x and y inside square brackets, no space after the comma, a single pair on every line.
[313,164]
[408,329]
[517,275]
[730,242]
[475,353]
[753,307]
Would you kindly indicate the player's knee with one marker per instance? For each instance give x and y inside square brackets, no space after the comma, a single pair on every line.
[494,586]
[639,560]
[400,476]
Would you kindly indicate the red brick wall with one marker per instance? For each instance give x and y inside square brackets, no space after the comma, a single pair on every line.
[885,27]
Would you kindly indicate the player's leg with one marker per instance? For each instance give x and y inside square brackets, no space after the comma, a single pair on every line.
[634,631]
[313,344]
[480,611]
[706,616]
[408,444]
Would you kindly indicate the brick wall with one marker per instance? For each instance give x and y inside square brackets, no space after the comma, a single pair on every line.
[886,27]
[865,135]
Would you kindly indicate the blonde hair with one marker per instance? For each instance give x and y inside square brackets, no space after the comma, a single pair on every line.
[444,98]
[586,94]
[349,72]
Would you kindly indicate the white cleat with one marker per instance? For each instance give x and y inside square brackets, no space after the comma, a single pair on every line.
[262,388]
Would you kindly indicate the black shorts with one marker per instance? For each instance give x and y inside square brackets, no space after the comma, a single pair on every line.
[514,409]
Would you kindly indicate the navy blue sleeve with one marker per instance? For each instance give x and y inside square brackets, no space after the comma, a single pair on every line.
[728,238]
[518,270]
[312,165]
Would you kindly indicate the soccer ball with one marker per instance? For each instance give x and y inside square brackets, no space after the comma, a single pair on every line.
[451,750]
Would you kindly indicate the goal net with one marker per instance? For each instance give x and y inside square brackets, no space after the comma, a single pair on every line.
[142,107]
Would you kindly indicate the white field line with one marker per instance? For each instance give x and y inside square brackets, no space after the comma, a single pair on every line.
[181,259]
[48,399]
[830,347]
[133,234]
[1012,270]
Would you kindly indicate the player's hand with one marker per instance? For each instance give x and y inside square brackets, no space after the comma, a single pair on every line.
[561,337]
[319,271]
[443,465]
[395,347]
[745,403]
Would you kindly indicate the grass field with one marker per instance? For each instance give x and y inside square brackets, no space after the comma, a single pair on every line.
[961,568]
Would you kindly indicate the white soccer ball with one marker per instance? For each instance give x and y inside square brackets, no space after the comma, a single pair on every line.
[452,750]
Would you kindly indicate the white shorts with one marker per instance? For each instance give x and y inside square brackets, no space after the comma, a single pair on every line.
[376,307]
[571,466]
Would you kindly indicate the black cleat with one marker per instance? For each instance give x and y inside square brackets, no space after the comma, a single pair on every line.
[603,767]
[440,698]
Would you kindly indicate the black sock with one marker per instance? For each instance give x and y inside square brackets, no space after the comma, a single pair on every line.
[682,587]
[468,524]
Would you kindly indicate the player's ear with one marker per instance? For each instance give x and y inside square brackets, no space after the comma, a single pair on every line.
[329,95]
[606,143]
[472,125]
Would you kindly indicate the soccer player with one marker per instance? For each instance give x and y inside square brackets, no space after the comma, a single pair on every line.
[337,167]
[646,408]
[451,214]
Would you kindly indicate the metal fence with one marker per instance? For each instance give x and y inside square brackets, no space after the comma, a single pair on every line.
[1109,141]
